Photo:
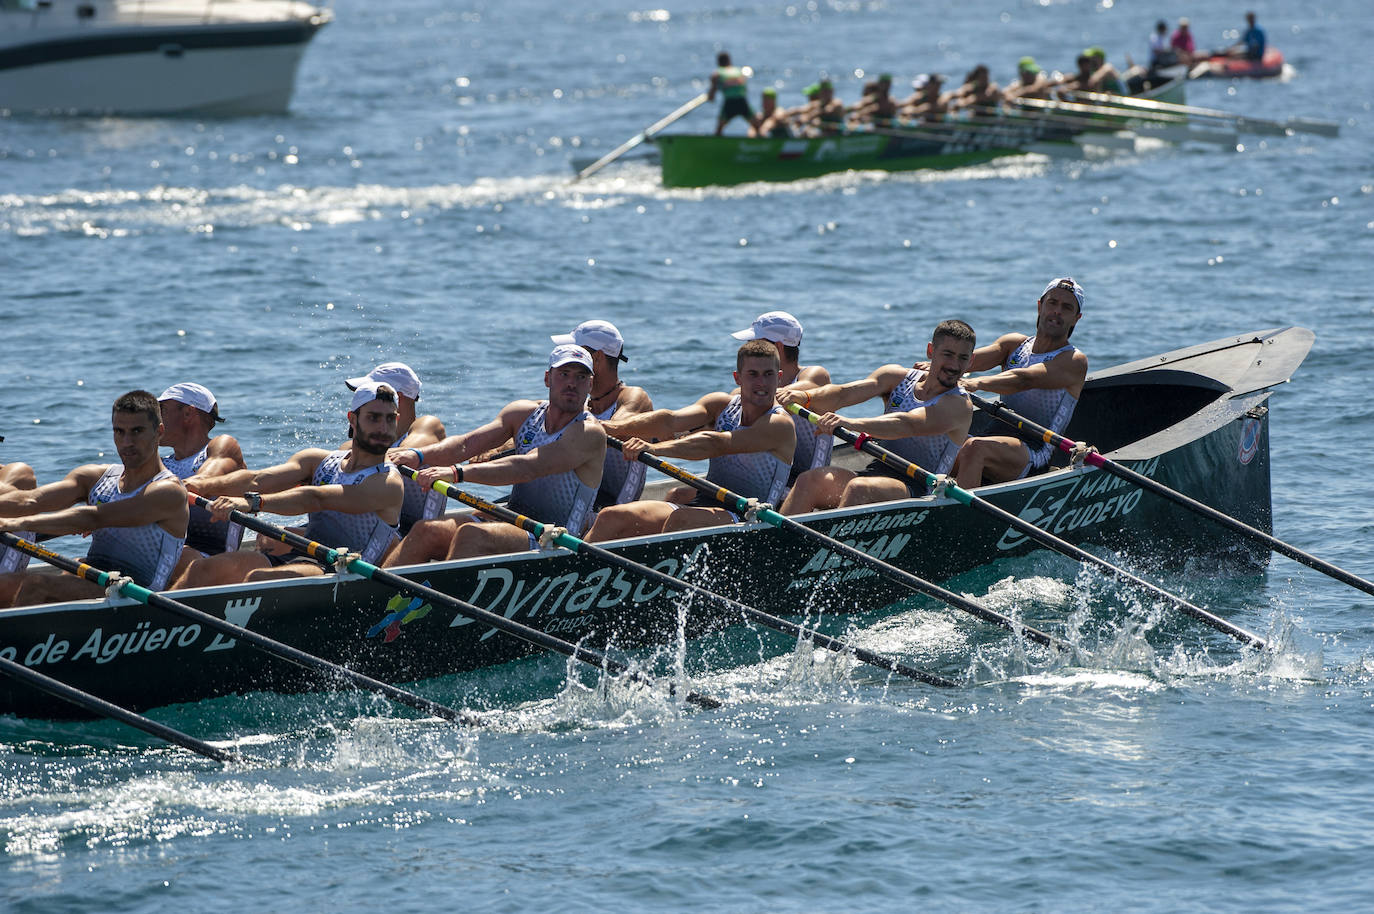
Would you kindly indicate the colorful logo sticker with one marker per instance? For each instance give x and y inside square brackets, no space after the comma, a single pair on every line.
[400,609]
[1249,441]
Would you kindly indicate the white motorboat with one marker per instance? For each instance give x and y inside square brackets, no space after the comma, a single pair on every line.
[217,57]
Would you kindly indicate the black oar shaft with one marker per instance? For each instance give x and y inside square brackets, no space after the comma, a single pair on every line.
[1158,488]
[102,708]
[741,504]
[574,544]
[263,643]
[1044,537]
[476,613]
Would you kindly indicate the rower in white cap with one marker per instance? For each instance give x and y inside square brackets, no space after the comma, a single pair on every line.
[352,498]
[412,432]
[785,332]
[553,475]
[189,414]
[611,398]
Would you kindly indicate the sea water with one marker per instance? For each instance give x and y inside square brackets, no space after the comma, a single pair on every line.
[415,204]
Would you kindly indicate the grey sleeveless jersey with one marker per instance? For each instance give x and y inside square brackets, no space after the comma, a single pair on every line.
[13,559]
[561,499]
[812,450]
[1050,408]
[366,534]
[202,533]
[420,504]
[932,453]
[147,553]
[621,481]
[758,475]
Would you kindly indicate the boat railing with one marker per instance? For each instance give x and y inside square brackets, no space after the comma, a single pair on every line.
[79,14]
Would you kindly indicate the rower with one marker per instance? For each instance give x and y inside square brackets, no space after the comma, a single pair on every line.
[1031,81]
[15,477]
[733,85]
[412,431]
[877,106]
[978,95]
[610,398]
[554,474]
[352,498]
[772,119]
[785,332]
[829,110]
[135,512]
[926,418]
[749,442]
[189,414]
[1105,77]
[1041,378]
[926,102]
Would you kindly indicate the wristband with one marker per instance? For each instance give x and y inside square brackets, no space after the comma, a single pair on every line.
[419,458]
[807,405]
[457,473]
[254,500]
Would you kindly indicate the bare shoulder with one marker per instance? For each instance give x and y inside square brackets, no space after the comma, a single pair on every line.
[633,400]
[813,376]
[226,446]
[514,413]
[430,427]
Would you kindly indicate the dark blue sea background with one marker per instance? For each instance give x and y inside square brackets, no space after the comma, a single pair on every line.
[415,204]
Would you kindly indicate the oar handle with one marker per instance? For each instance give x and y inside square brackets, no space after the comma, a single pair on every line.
[500,512]
[366,569]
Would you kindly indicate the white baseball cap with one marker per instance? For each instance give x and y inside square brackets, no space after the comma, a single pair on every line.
[399,375]
[368,391]
[1066,282]
[566,353]
[776,327]
[599,335]
[193,395]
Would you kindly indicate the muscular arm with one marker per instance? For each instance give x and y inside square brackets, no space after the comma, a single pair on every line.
[777,435]
[293,472]
[162,502]
[457,448]
[222,456]
[666,423]
[830,397]
[582,446]
[986,358]
[381,493]
[424,431]
[54,496]
[633,401]
[1065,371]
[949,416]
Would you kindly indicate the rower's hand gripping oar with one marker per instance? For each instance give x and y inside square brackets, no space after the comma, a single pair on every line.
[558,536]
[640,137]
[127,588]
[336,558]
[947,487]
[745,507]
[1093,458]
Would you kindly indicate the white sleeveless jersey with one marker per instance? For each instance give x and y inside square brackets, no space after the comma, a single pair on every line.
[13,559]
[1050,408]
[147,553]
[562,499]
[203,534]
[932,453]
[420,504]
[758,475]
[621,481]
[812,450]
[366,534]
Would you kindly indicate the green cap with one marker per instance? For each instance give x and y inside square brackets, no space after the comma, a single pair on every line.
[1028,64]
[770,91]
[885,77]
[1095,51]
[811,90]
[826,84]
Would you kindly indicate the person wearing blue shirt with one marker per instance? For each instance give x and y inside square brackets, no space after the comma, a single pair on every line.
[1252,41]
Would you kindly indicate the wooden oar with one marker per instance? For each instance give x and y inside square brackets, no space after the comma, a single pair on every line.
[561,537]
[1168,127]
[744,507]
[965,497]
[1243,123]
[640,137]
[1093,458]
[102,708]
[510,627]
[1135,116]
[128,588]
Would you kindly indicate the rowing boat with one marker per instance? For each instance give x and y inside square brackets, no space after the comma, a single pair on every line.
[1194,419]
[700,160]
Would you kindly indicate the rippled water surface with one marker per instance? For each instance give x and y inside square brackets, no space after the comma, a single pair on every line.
[415,204]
